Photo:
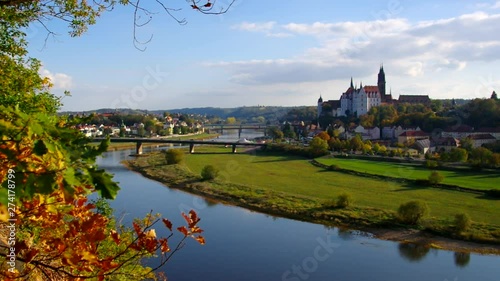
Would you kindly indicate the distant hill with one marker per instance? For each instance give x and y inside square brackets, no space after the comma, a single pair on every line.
[245,112]
[270,113]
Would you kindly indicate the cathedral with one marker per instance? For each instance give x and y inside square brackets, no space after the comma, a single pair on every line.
[357,101]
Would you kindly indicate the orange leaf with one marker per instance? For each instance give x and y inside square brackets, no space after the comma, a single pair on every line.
[200,239]
[196,230]
[183,230]
[168,224]
[164,245]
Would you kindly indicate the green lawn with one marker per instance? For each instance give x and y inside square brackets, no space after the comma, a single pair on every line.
[465,178]
[296,176]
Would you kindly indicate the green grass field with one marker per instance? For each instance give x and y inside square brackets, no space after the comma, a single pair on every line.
[297,177]
[466,178]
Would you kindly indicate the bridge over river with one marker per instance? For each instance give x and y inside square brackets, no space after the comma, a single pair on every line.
[191,143]
[221,127]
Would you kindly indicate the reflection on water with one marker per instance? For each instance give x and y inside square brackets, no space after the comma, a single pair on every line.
[244,245]
[413,252]
[462,259]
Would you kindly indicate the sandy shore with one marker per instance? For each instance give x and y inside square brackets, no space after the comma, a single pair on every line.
[425,238]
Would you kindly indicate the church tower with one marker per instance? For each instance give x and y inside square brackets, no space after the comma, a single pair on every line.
[381,82]
[320,105]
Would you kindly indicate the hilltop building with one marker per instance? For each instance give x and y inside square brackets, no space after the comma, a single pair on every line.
[358,100]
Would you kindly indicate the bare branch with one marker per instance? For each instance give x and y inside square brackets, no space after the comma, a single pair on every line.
[169,12]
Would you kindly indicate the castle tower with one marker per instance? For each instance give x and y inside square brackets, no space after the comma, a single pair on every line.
[320,105]
[381,82]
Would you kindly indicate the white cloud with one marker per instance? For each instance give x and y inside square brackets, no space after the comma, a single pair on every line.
[351,29]
[347,49]
[496,5]
[449,64]
[262,27]
[59,80]
[255,27]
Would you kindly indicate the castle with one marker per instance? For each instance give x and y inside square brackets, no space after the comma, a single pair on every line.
[358,101]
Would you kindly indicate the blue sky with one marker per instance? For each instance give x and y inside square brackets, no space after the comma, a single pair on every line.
[275,52]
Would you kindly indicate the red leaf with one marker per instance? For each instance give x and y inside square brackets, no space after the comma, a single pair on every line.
[194,7]
[183,230]
[208,5]
[168,224]
[30,255]
[137,228]
[80,201]
[192,219]
[194,216]
[164,245]
[115,236]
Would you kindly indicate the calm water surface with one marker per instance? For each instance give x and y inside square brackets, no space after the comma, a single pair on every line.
[244,245]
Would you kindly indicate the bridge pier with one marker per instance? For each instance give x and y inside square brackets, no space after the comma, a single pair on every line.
[138,148]
[191,148]
[239,132]
[234,148]
[222,129]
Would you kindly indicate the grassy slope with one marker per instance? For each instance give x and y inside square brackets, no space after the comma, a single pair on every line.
[296,176]
[470,179]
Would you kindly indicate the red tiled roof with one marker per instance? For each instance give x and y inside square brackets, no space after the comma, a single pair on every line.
[370,89]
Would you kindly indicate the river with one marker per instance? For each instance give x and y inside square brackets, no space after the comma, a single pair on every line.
[244,245]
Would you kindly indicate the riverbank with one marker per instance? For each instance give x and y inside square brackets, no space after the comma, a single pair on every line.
[270,184]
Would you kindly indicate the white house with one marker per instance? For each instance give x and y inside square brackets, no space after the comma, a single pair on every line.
[368,133]
[479,139]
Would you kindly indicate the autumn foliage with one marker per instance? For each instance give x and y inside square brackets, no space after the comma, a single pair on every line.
[66,238]
[48,228]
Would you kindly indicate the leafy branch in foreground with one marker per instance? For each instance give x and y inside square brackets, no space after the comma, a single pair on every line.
[88,245]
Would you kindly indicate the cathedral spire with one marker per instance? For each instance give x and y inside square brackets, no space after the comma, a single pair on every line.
[361,85]
[352,86]
[381,81]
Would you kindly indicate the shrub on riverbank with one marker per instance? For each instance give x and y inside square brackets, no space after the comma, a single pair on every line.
[209,172]
[462,222]
[344,200]
[412,212]
[174,156]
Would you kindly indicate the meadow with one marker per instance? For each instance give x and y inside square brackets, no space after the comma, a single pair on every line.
[292,187]
[480,180]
